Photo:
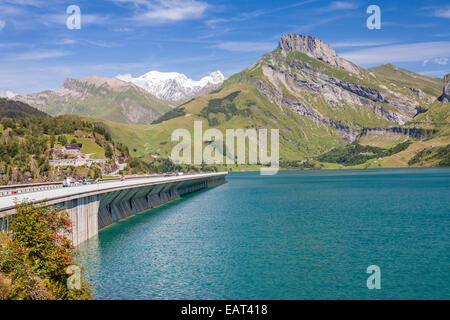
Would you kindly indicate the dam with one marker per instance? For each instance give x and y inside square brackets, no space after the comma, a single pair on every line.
[95,206]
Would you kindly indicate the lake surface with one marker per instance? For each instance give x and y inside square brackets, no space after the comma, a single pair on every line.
[295,235]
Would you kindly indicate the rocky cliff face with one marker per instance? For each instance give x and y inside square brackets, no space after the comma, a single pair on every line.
[416,133]
[315,48]
[445,98]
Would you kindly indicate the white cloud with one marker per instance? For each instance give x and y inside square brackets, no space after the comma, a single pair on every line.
[38,55]
[360,43]
[123,29]
[441,61]
[66,41]
[14,44]
[245,46]
[435,73]
[2,24]
[97,43]
[399,53]
[442,12]
[303,28]
[165,11]
[243,16]
[10,10]
[7,94]
[35,3]
[340,5]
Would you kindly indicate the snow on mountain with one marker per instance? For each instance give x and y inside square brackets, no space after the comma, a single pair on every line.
[7,94]
[174,86]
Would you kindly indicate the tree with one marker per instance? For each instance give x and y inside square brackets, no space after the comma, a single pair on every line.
[62,140]
[97,173]
[52,141]
[108,151]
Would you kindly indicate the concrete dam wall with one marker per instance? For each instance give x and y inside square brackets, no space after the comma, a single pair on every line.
[92,211]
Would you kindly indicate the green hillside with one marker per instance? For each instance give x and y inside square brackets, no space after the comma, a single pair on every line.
[406,79]
[105,98]
[16,109]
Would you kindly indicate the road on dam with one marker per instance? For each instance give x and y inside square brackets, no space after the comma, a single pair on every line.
[8,202]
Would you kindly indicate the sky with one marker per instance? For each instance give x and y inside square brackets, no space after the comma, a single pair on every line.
[196,37]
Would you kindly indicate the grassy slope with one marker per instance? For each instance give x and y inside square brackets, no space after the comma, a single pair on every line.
[89,146]
[383,141]
[107,104]
[406,79]
[437,116]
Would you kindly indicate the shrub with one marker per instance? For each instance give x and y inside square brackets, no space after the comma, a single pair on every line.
[35,256]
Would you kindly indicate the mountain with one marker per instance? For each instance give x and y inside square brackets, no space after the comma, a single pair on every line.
[445,97]
[319,102]
[102,97]
[7,94]
[173,86]
[16,109]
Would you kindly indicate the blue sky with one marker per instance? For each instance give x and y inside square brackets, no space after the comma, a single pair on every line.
[196,37]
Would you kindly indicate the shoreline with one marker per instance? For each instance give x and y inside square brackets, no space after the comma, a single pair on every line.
[343,169]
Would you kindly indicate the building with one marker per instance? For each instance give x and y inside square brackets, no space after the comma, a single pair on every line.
[73,146]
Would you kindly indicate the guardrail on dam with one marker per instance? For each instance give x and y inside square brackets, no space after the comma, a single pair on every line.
[93,207]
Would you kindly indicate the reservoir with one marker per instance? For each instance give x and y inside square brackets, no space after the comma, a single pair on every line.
[294,235]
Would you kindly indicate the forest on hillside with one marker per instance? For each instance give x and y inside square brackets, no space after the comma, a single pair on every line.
[27,145]
[17,109]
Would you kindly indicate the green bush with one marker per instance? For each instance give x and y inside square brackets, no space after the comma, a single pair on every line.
[35,256]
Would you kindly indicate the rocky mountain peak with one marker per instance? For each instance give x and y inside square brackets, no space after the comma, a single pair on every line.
[217,77]
[315,48]
[445,98]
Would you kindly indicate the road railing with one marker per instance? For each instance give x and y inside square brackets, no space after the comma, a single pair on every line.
[8,190]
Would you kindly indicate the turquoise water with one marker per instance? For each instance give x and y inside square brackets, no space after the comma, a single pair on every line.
[296,235]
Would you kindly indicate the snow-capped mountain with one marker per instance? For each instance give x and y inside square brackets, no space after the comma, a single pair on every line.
[174,86]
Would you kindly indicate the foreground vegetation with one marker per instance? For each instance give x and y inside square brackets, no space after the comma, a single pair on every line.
[35,256]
